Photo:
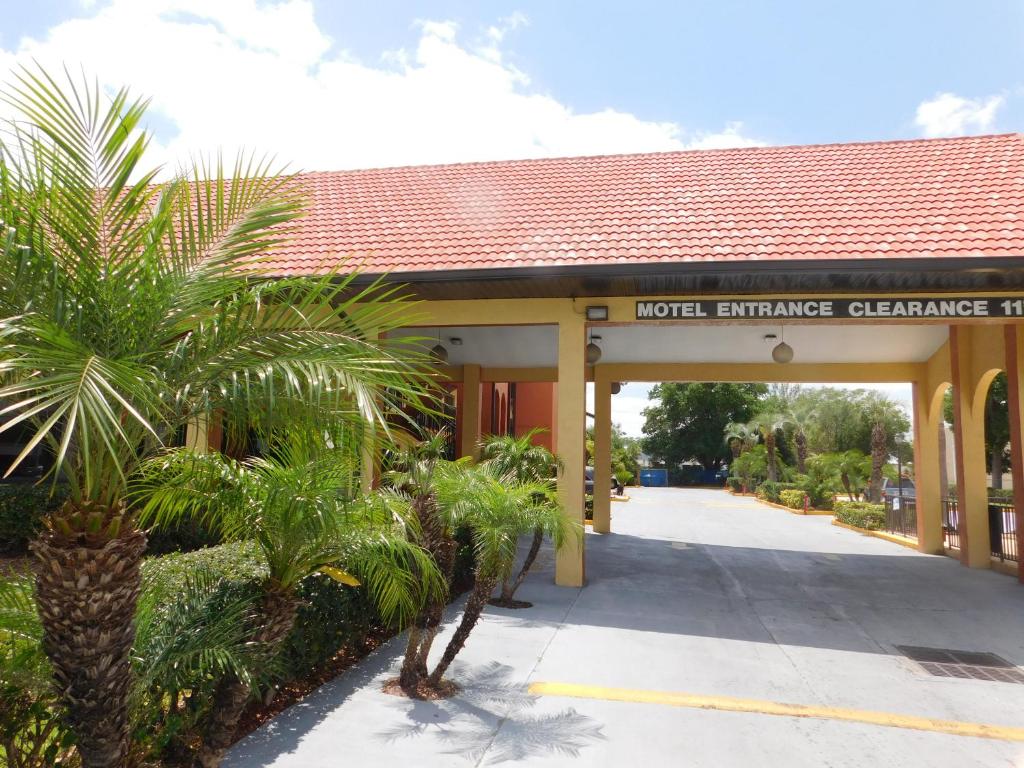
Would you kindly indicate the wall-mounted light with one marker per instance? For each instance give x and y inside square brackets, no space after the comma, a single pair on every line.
[455,341]
[616,387]
[597,313]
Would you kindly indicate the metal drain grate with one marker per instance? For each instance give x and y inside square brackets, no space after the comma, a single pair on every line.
[966,665]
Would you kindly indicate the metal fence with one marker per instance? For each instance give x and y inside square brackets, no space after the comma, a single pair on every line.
[950,524]
[901,516]
[1002,529]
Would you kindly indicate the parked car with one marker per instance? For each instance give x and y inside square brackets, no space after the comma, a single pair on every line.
[892,489]
[588,482]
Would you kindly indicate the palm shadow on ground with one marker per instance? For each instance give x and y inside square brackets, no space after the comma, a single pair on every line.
[489,719]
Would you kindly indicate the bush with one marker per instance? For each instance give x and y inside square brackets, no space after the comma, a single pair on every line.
[792,498]
[772,491]
[22,508]
[861,514]
[734,483]
[1000,495]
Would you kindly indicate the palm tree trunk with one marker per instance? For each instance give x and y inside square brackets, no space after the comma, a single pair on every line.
[769,444]
[508,590]
[844,478]
[470,616]
[996,467]
[278,614]
[87,588]
[408,676]
[801,451]
[878,455]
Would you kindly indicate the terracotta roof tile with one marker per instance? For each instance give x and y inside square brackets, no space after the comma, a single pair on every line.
[934,198]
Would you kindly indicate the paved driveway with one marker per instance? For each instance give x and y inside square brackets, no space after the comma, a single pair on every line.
[700,604]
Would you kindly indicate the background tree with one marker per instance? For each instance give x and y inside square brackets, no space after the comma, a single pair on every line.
[740,437]
[883,415]
[997,426]
[768,425]
[688,420]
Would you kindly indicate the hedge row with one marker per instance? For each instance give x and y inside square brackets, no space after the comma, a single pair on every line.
[861,514]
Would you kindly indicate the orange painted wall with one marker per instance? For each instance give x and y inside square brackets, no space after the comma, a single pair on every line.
[535,407]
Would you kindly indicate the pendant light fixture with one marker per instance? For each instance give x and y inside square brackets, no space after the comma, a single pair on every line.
[782,352]
[438,351]
[593,351]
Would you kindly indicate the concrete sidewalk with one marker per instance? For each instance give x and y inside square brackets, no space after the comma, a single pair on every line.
[702,593]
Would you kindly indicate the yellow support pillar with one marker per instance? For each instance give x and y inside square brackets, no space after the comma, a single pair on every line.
[602,452]
[569,563]
[469,434]
[1014,342]
[197,434]
[969,435]
[928,487]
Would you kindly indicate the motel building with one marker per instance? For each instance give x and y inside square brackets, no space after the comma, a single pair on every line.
[881,262]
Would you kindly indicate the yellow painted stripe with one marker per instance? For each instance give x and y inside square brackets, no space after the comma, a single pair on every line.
[762,707]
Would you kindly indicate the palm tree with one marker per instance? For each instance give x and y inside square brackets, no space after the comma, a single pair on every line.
[767,424]
[497,511]
[411,490]
[289,504]
[801,416]
[881,411]
[518,457]
[740,437]
[852,468]
[130,308]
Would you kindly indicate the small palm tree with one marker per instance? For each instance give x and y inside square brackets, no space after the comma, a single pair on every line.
[410,489]
[497,511]
[130,308]
[740,437]
[767,424]
[291,505]
[519,458]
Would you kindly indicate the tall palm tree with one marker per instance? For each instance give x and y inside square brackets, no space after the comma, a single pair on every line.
[520,458]
[289,504]
[801,416]
[767,424]
[130,308]
[880,411]
[497,511]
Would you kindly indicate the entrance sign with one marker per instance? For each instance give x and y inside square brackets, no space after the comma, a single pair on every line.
[831,308]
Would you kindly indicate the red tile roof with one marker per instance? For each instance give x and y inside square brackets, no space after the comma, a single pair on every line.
[902,199]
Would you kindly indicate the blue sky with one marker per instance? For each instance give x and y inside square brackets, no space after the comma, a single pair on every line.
[330,84]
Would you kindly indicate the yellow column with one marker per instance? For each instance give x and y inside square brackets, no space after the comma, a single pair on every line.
[969,434]
[602,452]
[197,434]
[469,437]
[926,467]
[569,565]
[1014,343]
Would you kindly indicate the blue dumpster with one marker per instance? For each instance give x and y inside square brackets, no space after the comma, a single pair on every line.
[657,478]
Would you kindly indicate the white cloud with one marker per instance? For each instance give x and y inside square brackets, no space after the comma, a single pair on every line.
[244,73]
[951,115]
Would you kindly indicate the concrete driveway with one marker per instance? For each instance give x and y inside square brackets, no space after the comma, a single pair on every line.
[706,618]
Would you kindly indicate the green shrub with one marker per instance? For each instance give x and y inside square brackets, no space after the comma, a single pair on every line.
[861,514]
[792,498]
[1000,494]
[772,491]
[734,483]
[22,508]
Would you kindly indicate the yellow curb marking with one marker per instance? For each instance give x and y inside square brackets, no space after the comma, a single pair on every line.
[762,707]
